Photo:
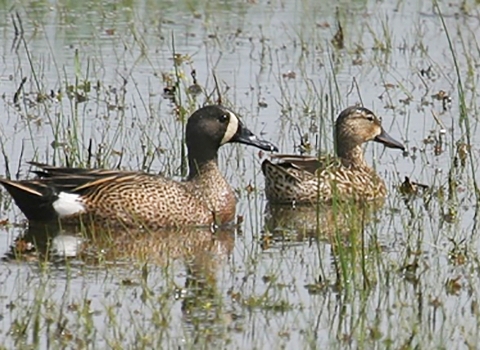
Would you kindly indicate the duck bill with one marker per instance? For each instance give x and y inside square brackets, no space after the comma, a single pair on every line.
[389,141]
[245,136]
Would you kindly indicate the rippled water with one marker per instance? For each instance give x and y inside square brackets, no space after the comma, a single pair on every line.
[265,284]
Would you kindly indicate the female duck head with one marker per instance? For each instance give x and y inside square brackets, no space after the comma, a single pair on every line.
[357,125]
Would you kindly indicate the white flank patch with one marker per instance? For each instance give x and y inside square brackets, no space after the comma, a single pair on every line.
[68,204]
[232,128]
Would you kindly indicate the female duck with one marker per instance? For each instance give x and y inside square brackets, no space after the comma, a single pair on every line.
[304,179]
[130,198]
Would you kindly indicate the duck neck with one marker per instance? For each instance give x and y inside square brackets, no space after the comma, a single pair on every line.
[351,155]
[201,161]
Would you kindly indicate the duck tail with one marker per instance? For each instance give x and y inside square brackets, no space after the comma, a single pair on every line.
[35,199]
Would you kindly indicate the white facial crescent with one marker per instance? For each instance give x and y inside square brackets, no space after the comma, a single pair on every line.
[232,127]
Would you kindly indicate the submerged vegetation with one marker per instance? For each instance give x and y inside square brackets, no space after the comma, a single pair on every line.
[107,84]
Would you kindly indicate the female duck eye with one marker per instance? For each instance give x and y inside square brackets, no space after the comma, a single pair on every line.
[223,118]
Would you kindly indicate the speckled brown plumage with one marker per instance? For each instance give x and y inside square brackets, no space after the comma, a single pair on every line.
[305,179]
[136,199]
[112,197]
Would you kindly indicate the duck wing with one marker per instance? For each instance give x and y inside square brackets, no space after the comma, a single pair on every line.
[36,197]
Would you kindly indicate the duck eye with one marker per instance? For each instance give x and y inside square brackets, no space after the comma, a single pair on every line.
[223,118]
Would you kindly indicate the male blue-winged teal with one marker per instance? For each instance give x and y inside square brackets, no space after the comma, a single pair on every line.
[305,179]
[140,199]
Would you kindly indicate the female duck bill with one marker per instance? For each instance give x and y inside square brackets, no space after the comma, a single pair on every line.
[388,141]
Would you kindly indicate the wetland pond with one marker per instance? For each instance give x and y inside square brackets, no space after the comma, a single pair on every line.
[90,83]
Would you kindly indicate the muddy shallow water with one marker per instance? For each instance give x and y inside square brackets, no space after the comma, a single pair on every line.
[401,276]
